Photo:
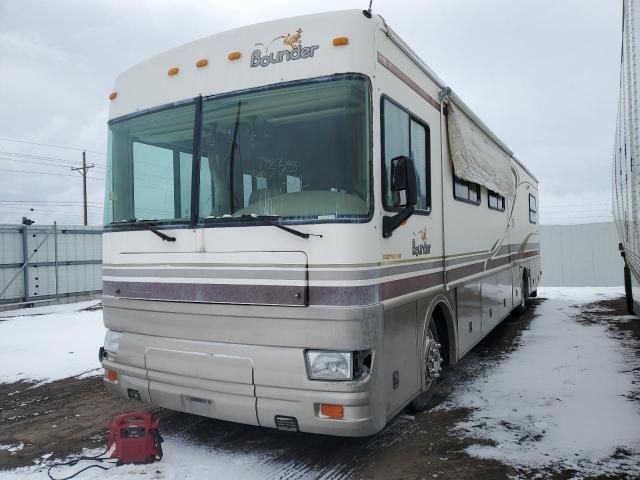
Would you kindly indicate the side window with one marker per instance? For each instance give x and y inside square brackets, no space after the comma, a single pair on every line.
[496,201]
[419,154]
[466,191]
[533,209]
[404,134]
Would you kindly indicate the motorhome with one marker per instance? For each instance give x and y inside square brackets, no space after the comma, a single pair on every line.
[303,227]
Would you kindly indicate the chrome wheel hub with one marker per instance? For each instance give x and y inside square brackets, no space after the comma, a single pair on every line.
[433,359]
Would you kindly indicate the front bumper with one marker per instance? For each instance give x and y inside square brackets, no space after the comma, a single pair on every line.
[250,404]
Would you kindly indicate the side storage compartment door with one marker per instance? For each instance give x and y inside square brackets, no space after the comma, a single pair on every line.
[504,292]
[400,370]
[490,304]
[469,307]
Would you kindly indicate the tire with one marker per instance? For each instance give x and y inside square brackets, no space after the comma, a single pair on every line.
[421,402]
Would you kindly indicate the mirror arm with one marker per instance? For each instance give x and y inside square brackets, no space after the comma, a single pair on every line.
[389,224]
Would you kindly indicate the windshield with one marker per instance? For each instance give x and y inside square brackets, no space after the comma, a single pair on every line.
[298,152]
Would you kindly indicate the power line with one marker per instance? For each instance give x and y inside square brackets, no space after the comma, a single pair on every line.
[52,202]
[46,208]
[47,173]
[47,164]
[51,145]
[38,157]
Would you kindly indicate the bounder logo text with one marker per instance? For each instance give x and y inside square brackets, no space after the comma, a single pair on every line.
[263,58]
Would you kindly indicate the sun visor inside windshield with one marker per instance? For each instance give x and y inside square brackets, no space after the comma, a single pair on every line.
[476,157]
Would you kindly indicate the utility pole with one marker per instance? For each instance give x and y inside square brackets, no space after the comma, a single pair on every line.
[83,171]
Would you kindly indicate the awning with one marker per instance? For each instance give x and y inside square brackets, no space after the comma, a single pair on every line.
[476,157]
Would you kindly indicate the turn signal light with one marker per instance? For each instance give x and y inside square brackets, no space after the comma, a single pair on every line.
[202,63]
[234,55]
[111,375]
[173,71]
[331,411]
[340,41]
[113,95]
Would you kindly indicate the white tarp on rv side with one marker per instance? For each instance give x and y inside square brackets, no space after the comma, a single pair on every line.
[476,157]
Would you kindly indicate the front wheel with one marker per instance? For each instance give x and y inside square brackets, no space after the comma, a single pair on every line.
[432,369]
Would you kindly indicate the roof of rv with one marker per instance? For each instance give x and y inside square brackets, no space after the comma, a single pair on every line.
[151,83]
[206,67]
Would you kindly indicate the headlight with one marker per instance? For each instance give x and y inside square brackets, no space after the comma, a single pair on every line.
[112,341]
[329,365]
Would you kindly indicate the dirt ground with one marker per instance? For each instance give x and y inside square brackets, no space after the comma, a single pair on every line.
[62,417]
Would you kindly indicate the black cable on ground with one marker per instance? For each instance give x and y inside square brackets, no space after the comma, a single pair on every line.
[97,458]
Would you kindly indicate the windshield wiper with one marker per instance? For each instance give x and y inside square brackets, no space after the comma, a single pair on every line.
[163,236]
[232,156]
[265,219]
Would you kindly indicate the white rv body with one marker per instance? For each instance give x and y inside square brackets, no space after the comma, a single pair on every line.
[219,322]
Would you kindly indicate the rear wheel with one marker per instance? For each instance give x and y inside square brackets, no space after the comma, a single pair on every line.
[432,368]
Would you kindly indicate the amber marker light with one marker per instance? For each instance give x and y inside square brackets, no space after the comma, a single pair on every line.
[202,63]
[340,41]
[113,95]
[173,71]
[234,55]
[331,411]
[111,375]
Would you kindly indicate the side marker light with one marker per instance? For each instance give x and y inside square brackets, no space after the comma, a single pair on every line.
[340,41]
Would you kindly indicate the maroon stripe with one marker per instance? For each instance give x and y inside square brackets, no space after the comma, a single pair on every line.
[195,292]
[386,63]
[298,295]
[465,271]
[498,262]
[404,286]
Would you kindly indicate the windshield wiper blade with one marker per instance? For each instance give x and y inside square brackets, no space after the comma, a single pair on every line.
[163,236]
[293,231]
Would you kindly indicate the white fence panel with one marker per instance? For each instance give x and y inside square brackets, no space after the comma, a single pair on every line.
[63,261]
[580,255]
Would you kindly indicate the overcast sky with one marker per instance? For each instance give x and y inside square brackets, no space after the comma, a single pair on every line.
[543,74]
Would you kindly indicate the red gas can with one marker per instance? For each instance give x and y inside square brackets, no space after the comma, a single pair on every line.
[136,438]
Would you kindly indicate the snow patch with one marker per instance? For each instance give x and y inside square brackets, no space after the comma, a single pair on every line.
[47,347]
[45,310]
[11,448]
[182,460]
[561,399]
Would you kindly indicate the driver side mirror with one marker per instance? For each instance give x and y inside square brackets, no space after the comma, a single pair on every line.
[403,181]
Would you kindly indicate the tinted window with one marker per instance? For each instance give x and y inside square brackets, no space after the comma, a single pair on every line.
[496,201]
[533,209]
[149,170]
[297,151]
[405,135]
[466,191]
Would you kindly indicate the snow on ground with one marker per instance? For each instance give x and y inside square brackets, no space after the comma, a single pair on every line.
[562,399]
[61,308]
[12,448]
[182,460]
[44,346]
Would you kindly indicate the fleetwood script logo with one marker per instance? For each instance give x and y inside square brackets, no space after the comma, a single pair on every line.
[419,244]
[263,58]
